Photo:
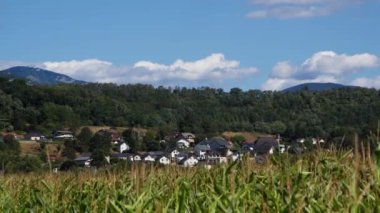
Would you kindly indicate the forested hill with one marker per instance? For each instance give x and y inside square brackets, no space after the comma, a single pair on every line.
[314,87]
[203,110]
[37,76]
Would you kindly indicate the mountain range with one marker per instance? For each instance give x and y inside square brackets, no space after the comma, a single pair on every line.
[35,75]
[315,87]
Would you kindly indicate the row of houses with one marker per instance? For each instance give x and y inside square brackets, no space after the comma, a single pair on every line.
[207,152]
[36,136]
[185,159]
[69,135]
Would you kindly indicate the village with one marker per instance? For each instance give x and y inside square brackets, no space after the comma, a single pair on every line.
[183,151]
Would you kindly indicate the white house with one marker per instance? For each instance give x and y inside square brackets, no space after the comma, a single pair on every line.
[60,135]
[229,153]
[282,148]
[202,155]
[189,162]
[164,160]
[34,136]
[174,153]
[314,140]
[84,161]
[235,156]
[149,158]
[271,151]
[215,159]
[302,140]
[223,160]
[136,158]
[182,143]
[190,137]
[122,156]
[123,147]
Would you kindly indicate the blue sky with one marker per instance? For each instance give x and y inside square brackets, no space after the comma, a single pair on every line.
[251,44]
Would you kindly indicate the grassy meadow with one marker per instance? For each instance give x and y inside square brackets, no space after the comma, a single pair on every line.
[346,181]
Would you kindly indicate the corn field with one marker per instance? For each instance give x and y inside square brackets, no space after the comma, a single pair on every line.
[317,182]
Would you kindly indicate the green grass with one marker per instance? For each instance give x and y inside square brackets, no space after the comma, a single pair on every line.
[316,182]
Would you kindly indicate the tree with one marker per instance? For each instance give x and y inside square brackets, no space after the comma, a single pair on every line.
[98,157]
[24,164]
[131,136]
[262,127]
[84,138]
[69,150]
[100,146]
[67,165]
[101,141]
[238,139]
[278,127]
[11,145]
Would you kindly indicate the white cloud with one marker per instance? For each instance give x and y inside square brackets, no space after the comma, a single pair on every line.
[283,70]
[367,82]
[288,12]
[212,69]
[289,9]
[324,66]
[332,63]
[90,69]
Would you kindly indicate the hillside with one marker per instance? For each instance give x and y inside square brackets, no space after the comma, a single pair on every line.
[34,148]
[207,111]
[37,76]
[249,136]
[314,87]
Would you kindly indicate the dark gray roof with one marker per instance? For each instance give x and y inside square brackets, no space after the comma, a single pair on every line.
[215,144]
[202,147]
[218,143]
[82,158]
[121,155]
[183,160]
[296,150]
[154,154]
[188,135]
[63,132]
[264,144]
[33,134]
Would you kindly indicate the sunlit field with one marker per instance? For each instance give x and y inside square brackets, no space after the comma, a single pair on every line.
[335,181]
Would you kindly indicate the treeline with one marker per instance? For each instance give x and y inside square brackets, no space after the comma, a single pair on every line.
[200,110]
[12,161]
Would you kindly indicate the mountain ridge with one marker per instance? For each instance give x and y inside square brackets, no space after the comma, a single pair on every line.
[315,87]
[35,75]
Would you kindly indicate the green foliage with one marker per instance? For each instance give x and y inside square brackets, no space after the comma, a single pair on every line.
[238,139]
[278,127]
[98,157]
[68,165]
[70,149]
[84,138]
[10,145]
[202,111]
[24,164]
[134,139]
[100,146]
[101,141]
